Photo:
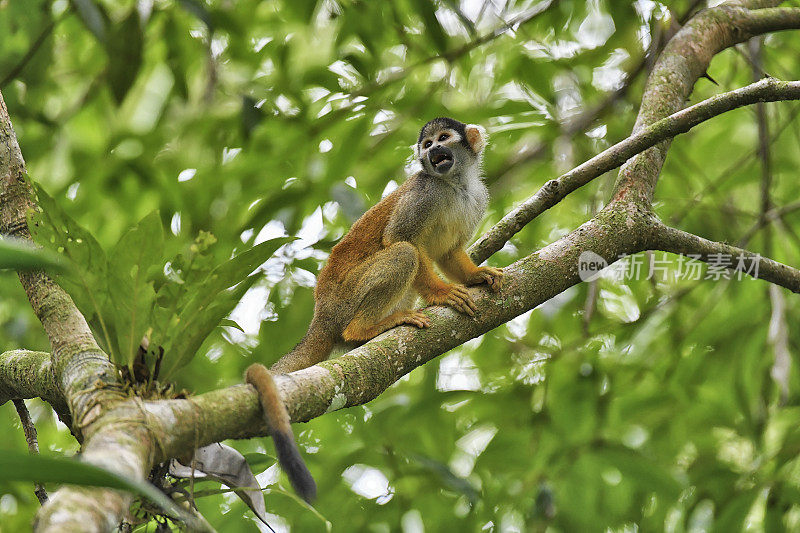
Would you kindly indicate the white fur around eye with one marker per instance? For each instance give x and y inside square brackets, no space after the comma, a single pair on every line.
[479,144]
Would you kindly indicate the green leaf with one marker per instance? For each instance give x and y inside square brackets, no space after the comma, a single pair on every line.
[124,49]
[240,266]
[17,254]
[16,466]
[295,316]
[129,287]
[641,470]
[427,10]
[209,303]
[231,324]
[198,10]
[85,281]
[446,476]
[732,517]
[259,459]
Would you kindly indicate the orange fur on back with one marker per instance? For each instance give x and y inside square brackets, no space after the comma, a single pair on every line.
[364,239]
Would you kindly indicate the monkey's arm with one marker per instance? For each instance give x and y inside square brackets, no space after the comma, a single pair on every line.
[459,267]
[438,292]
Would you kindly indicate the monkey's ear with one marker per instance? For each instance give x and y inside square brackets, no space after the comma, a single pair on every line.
[416,150]
[476,137]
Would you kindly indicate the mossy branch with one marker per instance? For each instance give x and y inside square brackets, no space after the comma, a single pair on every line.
[723,255]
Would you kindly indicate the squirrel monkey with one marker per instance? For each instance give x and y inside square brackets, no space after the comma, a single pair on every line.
[374,274]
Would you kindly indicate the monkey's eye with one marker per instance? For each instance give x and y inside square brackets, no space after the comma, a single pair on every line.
[427,144]
[444,137]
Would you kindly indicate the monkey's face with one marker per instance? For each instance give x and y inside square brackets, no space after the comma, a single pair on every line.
[447,146]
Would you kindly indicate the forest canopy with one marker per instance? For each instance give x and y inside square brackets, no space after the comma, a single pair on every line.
[193,162]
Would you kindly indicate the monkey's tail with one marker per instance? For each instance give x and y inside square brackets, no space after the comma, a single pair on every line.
[315,347]
[280,429]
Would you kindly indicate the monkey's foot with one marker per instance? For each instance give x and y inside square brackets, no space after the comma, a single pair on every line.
[457,297]
[491,276]
[361,330]
[415,318]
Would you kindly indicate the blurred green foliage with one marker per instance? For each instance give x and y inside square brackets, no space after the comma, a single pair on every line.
[239,122]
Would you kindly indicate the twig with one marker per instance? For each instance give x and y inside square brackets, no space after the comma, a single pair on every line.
[557,189]
[581,122]
[770,216]
[17,69]
[722,255]
[777,335]
[33,444]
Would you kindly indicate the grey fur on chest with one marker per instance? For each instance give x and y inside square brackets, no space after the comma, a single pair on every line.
[463,206]
[439,215]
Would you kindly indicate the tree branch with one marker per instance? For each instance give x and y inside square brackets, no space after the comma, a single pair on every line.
[25,374]
[82,371]
[33,444]
[684,60]
[669,239]
[552,192]
[364,373]
[581,122]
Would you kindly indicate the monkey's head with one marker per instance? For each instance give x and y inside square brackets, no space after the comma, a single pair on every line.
[447,146]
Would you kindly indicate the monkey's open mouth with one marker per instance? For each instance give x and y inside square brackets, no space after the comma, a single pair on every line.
[441,161]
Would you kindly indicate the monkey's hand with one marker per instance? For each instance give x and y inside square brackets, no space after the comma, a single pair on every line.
[491,276]
[456,296]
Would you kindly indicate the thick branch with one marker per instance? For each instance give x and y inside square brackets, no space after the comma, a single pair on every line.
[82,371]
[766,90]
[367,371]
[78,363]
[25,374]
[772,19]
[668,239]
[685,58]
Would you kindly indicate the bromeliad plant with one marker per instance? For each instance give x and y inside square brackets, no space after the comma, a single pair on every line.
[150,313]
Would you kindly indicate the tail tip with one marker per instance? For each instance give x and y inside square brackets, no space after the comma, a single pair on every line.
[306,488]
[292,463]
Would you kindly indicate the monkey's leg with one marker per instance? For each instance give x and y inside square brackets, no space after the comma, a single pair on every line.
[458,266]
[437,292]
[381,284]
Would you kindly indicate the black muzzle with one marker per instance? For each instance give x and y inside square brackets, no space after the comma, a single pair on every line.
[441,159]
